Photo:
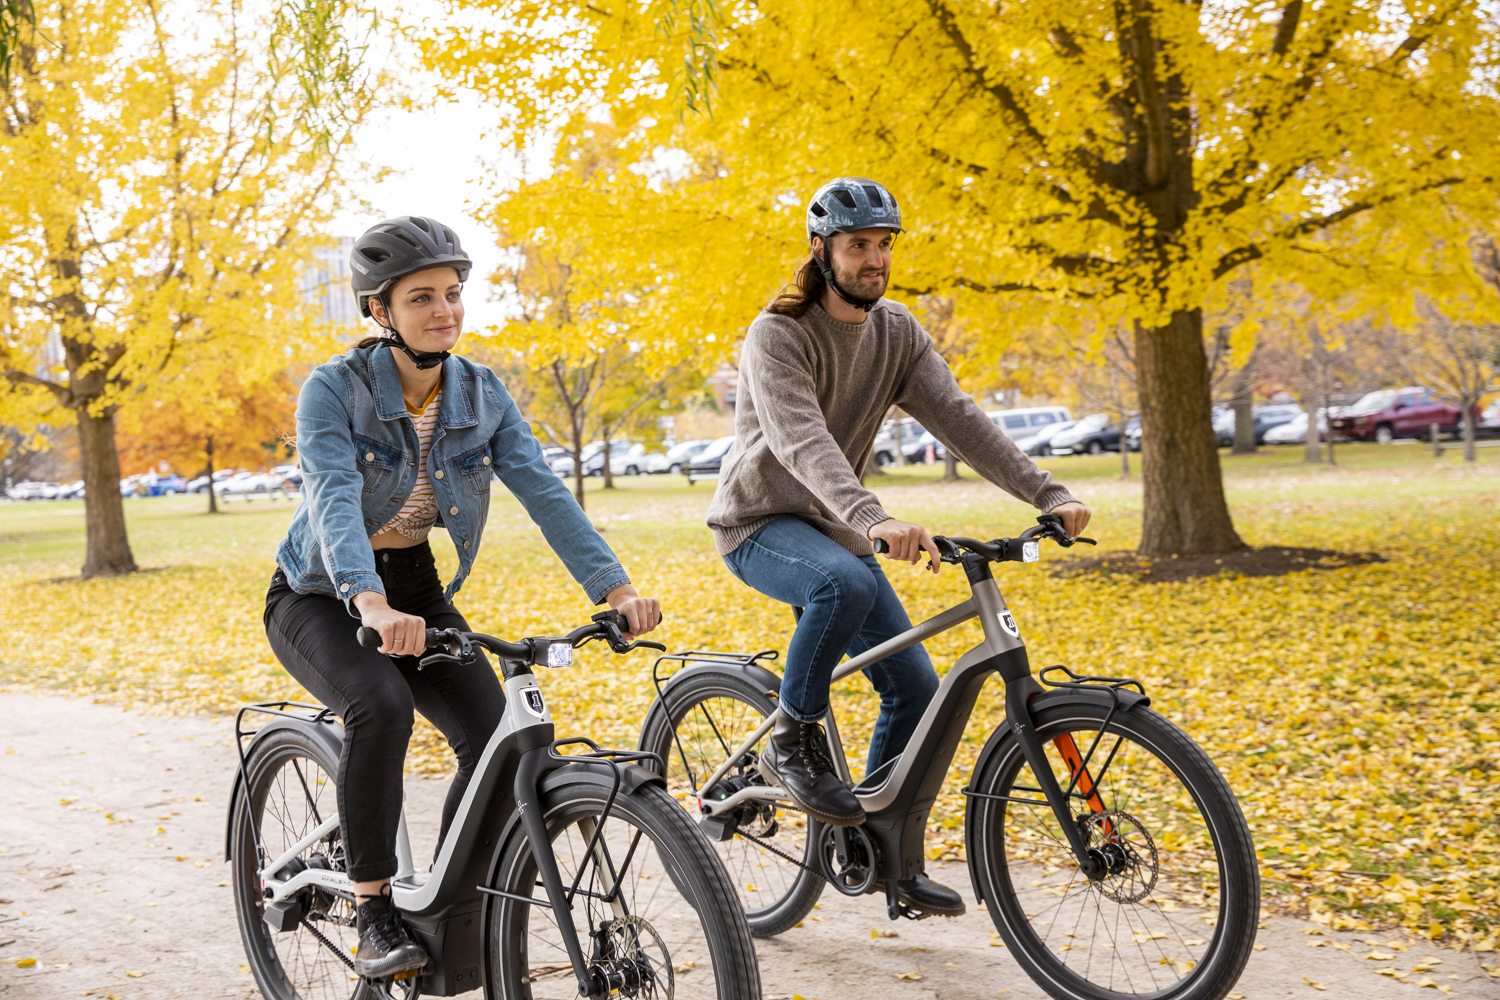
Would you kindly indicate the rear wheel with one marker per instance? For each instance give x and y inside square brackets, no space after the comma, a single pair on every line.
[291,792]
[1385,434]
[769,857]
[1096,448]
[1176,916]
[672,929]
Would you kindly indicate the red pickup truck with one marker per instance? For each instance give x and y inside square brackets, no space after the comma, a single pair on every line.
[1388,414]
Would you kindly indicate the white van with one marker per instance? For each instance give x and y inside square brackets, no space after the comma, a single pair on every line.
[1028,420]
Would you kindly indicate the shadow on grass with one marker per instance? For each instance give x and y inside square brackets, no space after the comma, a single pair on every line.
[1271,560]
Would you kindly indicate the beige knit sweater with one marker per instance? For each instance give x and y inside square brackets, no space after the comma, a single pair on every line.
[813,392]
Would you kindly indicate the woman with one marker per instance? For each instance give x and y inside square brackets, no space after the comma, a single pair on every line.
[394,438]
[819,369]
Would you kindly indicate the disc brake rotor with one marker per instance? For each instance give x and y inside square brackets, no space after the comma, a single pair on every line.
[1128,853]
[635,960]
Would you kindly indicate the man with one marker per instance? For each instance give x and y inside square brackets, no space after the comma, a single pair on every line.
[820,368]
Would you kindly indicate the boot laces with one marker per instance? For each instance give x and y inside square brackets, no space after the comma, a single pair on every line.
[813,746]
[383,925]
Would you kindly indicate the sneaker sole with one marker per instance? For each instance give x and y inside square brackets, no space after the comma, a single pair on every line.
[912,904]
[390,965]
[769,773]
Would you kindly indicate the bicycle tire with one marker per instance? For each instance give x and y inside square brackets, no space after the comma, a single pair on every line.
[1137,810]
[292,965]
[702,921]
[773,898]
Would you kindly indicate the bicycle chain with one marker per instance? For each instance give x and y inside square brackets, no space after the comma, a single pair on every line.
[329,944]
[781,854]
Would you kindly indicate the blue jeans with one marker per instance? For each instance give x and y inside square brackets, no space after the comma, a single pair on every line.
[847,606]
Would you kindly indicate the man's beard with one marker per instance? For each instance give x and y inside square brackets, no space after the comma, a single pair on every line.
[869,288]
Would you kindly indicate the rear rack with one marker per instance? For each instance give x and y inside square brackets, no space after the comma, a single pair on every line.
[704,656]
[288,709]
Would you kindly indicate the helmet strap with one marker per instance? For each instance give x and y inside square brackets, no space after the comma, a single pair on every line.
[825,266]
[422,359]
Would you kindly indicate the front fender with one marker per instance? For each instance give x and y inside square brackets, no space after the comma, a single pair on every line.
[328,733]
[1038,700]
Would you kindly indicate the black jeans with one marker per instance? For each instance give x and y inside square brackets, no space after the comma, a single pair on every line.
[314,638]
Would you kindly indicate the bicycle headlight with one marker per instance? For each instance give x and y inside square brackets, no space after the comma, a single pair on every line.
[559,654]
[1031,551]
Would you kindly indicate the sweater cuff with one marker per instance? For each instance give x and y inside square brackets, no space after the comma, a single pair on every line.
[1054,495]
[862,519]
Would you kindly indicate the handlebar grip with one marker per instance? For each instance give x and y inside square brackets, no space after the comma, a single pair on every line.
[881,546]
[368,637]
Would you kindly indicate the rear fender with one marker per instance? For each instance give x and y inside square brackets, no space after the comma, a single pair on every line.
[1038,701]
[763,679]
[328,734]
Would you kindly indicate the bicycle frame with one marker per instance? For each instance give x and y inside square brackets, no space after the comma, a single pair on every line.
[446,909]
[898,795]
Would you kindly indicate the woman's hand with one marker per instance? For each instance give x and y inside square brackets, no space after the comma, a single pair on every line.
[641,613]
[1075,516]
[907,541]
[400,634]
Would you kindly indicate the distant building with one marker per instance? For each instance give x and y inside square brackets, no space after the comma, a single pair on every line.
[325,284]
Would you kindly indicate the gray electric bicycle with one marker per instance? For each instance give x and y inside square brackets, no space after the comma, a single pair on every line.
[1108,850]
[632,903]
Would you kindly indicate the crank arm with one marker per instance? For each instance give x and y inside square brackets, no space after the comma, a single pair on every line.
[757,793]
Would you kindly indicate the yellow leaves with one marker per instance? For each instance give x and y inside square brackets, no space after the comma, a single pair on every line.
[1316,986]
[910,976]
[25,963]
[876,932]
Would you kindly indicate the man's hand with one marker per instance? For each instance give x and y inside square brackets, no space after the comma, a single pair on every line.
[1075,517]
[642,613]
[400,634]
[907,541]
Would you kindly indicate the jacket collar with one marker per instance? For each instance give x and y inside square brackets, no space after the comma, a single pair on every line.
[456,408]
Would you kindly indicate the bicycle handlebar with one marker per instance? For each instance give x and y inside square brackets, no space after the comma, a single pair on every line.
[452,646]
[1022,549]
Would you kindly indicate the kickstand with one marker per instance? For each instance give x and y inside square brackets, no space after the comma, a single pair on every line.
[895,908]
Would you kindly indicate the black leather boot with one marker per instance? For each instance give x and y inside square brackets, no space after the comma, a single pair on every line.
[796,758]
[384,946]
[929,898]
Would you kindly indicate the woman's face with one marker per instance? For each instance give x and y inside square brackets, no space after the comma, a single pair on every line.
[426,309]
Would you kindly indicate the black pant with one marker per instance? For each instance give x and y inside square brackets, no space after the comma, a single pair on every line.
[314,638]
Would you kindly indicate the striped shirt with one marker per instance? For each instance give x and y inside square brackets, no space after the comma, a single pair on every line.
[417,516]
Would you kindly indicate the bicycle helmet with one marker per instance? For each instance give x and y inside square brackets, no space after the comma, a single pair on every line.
[389,251]
[847,205]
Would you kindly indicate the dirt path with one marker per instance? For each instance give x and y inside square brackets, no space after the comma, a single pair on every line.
[112,880]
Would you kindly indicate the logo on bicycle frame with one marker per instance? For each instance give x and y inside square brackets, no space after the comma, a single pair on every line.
[1008,622]
[531,698]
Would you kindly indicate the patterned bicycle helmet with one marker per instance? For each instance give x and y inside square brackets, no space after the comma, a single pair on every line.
[390,250]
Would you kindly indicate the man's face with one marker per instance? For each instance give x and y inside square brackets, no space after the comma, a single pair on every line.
[861,261]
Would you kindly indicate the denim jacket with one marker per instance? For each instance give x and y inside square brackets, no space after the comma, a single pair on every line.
[358,450]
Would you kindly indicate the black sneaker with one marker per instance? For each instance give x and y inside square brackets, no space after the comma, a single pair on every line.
[796,758]
[929,898]
[384,946]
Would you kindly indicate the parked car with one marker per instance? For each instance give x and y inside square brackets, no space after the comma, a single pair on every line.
[626,459]
[1093,434]
[291,476]
[707,463]
[1133,434]
[1039,443]
[676,458]
[1489,420]
[1273,415]
[1294,431]
[1224,424]
[1388,414]
[592,456]
[1025,421]
[32,490]
[70,491]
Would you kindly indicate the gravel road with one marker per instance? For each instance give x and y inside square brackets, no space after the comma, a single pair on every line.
[112,880]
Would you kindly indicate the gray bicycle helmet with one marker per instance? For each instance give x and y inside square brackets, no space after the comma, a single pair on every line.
[847,205]
[389,251]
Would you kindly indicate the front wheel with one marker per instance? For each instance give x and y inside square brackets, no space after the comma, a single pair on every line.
[1096,448]
[1385,434]
[671,929]
[1175,915]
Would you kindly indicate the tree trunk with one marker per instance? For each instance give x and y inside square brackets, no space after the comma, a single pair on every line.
[1244,412]
[107,551]
[900,435]
[1124,449]
[950,465]
[213,501]
[609,475]
[578,472]
[1185,512]
[1328,418]
[1468,426]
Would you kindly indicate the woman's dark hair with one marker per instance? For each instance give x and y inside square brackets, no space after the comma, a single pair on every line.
[806,288]
[371,342]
